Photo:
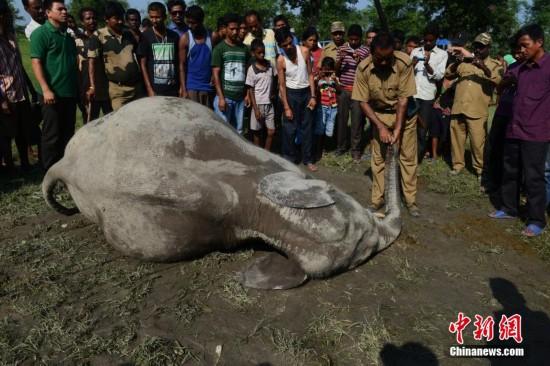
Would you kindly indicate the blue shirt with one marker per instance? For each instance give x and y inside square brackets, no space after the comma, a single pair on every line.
[179,30]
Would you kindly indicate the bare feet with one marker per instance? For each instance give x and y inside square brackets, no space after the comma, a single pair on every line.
[312,167]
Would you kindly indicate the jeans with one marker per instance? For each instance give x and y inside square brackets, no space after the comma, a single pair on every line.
[525,157]
[324,124]
[233,114]
[301,122]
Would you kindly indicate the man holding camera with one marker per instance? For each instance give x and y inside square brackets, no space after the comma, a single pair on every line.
[477,74]
[429,68]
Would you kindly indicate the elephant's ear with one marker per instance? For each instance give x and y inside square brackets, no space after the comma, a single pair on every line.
[289,189]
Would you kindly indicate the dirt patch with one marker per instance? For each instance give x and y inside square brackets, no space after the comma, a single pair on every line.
[67,297]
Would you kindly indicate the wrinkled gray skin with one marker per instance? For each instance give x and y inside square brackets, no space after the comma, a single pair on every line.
[166,180]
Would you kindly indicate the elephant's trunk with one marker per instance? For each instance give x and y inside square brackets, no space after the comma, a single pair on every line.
[389,228]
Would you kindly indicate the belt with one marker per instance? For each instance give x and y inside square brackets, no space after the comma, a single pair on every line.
[124,83]
[385,110]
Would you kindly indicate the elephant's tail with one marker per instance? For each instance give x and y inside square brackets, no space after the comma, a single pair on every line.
[48,184]
[390,226]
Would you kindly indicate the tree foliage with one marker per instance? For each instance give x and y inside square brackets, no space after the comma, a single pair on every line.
[98,5]
[214,9]
[464,18]
[320,13]
[539,12]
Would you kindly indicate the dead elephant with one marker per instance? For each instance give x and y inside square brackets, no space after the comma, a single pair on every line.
[166,180]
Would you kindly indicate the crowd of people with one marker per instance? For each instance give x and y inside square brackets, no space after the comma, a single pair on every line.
[361,92]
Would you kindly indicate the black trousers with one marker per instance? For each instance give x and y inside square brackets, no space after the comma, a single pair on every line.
[494,147]
[527,157]
[425,114]
[301,125]
[345,104]
[57,129]
[97,106]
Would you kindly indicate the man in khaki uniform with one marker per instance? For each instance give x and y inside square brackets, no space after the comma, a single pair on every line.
[337,30]
[383,83]
[477,74]
[115,46]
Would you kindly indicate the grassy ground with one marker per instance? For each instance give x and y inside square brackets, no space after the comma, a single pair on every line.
[68,298]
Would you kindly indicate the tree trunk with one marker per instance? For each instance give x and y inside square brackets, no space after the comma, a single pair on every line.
[315,9]
[381,15]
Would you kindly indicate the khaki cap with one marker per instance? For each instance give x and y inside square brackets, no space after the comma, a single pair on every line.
[483,38]
[337,27]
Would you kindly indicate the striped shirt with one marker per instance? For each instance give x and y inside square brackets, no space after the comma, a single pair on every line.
[327,89]
[349,63]
[12,78]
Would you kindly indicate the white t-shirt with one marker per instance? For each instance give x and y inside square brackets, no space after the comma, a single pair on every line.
[426,87]
[31,27]
[262,82]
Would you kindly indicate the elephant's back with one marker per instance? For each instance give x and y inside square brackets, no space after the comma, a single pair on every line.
[161,130]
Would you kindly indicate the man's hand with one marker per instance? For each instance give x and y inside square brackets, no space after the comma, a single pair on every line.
[395,136]
[288,114]
[312,103]
[427,55]
[257,114]
[222,106]
[90,94]
[385,135]
[49,97]
[183,92]
[247,103]
[415,60]
[5,107]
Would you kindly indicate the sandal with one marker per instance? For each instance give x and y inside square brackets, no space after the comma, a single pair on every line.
[532,230]
[501,215]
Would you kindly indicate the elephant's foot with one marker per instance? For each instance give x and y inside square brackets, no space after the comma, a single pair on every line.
[274,272]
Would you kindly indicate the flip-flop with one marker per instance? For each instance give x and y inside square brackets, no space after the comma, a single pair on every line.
[532,230]
[500,215]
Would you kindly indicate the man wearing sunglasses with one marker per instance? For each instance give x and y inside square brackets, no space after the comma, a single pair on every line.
[176,8]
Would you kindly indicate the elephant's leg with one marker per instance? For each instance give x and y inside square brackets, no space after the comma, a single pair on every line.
[158,233]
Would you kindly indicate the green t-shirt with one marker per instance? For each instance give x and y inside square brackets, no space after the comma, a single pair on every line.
[232,62]
[57,52]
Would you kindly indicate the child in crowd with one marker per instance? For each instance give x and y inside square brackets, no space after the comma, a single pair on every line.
[327,86]
[259,81]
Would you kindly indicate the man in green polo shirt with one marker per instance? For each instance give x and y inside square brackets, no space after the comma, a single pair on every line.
[54,62]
